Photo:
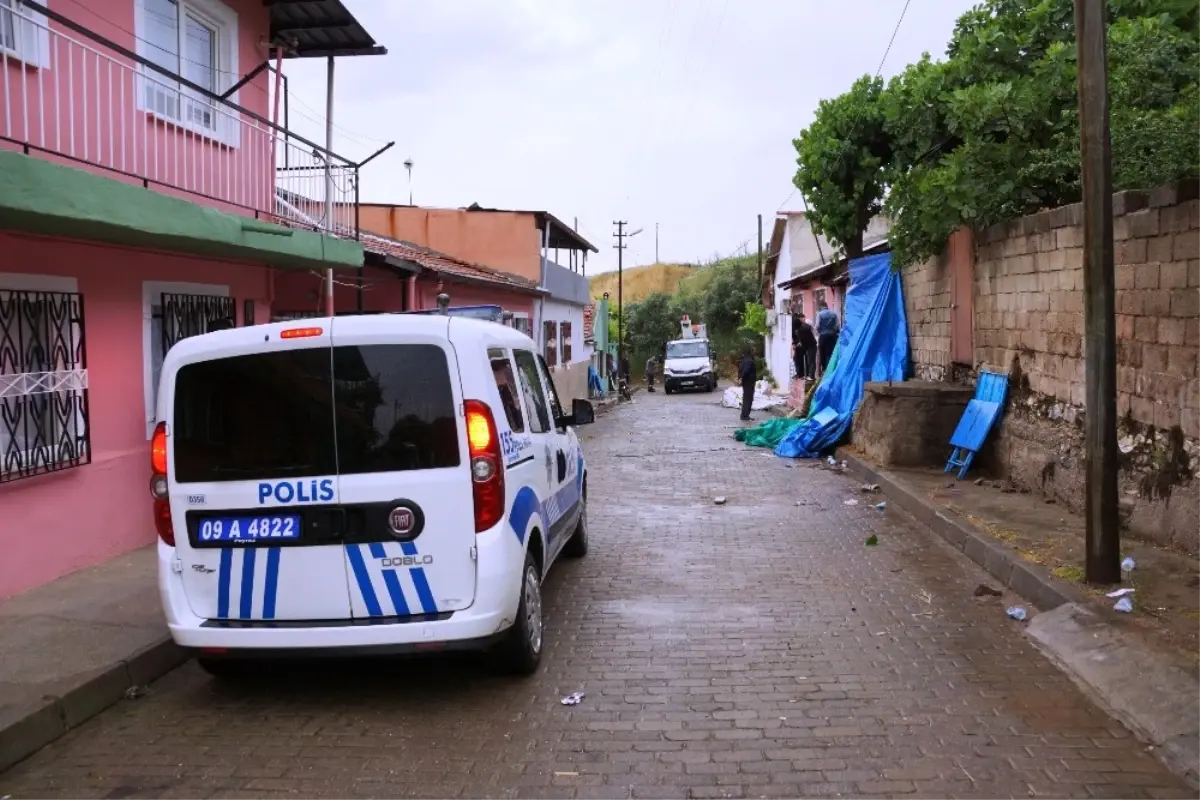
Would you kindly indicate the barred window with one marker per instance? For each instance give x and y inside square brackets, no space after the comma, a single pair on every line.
[43,384]
[176,317]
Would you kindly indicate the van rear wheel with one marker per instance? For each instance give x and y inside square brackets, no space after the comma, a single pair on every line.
[521,651]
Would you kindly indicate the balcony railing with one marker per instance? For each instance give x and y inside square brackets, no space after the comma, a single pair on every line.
[67,93]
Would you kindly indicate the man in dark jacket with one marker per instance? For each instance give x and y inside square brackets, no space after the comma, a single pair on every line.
[804,342]
[828,329]
[747,375]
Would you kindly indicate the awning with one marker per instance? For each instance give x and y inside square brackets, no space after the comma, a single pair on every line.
[319,28]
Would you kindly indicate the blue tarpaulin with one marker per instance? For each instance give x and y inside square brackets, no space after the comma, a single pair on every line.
[873,346]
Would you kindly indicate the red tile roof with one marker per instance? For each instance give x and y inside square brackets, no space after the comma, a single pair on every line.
[445,265]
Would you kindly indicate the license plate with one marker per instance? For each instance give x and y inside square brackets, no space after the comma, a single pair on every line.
[268,527]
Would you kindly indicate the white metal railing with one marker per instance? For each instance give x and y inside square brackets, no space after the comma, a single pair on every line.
[66,94]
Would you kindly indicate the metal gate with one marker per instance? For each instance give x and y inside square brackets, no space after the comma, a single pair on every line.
[185,315]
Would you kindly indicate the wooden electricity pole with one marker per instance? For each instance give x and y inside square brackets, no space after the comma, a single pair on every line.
[620,247]
[1103,560]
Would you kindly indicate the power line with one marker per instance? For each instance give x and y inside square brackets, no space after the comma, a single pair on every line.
[878,72]
[893,39]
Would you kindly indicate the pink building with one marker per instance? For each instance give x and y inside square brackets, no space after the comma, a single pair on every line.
[146,195]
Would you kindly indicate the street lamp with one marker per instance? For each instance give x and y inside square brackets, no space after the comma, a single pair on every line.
[408,165]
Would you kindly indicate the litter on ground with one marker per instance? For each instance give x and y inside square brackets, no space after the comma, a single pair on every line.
[719,501]
[1017,613]
[881,506]
[573,699]
[1120,592]
[1128,565]
[850,502]
[1125,604]
[872,540]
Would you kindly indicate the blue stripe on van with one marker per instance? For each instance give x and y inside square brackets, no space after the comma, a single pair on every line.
[428,605]
[364,580]
[272,585]
[246,606]
[523,507]
[223,576]
[392,581]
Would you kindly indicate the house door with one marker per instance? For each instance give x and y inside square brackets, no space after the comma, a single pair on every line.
[960,251]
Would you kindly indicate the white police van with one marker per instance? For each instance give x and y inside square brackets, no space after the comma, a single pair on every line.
[363,484]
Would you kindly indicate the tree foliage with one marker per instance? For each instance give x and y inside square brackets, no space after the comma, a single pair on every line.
[992,131]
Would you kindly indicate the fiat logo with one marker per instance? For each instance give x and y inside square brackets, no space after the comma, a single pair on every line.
[401,520]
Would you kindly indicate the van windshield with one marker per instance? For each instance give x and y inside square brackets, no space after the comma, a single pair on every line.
[312,412]
[687,350]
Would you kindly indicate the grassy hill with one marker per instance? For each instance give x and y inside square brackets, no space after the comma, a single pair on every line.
[640,282]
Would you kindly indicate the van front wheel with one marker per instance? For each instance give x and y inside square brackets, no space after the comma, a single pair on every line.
[521,651]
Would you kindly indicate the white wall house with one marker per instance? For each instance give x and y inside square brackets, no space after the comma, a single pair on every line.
[777,268]
[559,327]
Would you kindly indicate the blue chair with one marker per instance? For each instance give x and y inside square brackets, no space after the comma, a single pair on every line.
[991,390]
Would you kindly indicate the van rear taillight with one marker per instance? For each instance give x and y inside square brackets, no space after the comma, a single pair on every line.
[487,473]
[158,485]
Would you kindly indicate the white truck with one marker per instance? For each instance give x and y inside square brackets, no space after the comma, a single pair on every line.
[689,361]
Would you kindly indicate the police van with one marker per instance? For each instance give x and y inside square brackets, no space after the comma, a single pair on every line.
[384,483]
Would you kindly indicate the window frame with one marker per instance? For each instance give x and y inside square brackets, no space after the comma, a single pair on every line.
[566,329]
[31,36]
[504,354]
[550,342]
[556,408]
[77,381]
[531,414]
[223,20]
[152,291]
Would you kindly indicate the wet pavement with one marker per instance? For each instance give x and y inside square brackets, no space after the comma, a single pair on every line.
[752,649]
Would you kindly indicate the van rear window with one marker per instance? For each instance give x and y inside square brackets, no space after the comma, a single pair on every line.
[310,412]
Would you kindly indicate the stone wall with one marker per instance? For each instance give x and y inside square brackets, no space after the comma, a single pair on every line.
[927,299]
[1028,323]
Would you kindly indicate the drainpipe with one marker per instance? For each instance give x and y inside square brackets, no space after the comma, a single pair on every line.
[411,305]
[329,307]
[539,335]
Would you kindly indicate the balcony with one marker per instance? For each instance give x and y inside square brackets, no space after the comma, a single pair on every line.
[71,96]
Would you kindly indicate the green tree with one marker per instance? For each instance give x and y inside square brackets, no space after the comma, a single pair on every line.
[841,158]
[650,325]
[992,132]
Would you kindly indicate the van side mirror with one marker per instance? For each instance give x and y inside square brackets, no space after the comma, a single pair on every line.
[582,413]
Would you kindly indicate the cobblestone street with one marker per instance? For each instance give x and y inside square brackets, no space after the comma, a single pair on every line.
[751,649]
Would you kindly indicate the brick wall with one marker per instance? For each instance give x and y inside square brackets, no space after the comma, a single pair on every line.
[1029,304]
[1027,321]
[927,298]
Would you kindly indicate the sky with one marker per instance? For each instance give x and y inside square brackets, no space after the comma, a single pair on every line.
[678,114]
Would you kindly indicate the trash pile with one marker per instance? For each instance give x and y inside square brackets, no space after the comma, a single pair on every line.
[763,397]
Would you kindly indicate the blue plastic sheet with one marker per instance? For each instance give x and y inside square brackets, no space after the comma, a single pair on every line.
[873,346]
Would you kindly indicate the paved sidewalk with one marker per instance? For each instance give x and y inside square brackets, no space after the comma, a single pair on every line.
[1136,666]
[75,646]
[755,647]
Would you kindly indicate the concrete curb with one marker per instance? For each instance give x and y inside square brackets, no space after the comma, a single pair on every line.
[1135,687]
[1031,581]
[42,724]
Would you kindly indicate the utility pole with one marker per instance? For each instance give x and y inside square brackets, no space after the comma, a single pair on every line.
[330,307]
[620,246]
[760,258]
[1102,562]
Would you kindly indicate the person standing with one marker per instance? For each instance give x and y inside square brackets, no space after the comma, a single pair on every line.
[651,371]
[804,340]
[747,376]
[828,329]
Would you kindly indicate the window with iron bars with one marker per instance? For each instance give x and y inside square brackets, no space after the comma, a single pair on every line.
[44,424]
[177,316]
